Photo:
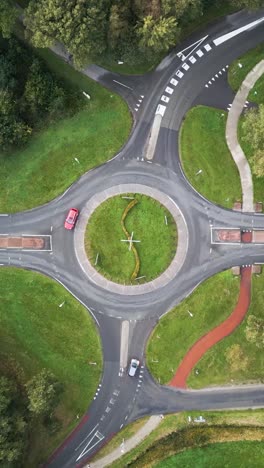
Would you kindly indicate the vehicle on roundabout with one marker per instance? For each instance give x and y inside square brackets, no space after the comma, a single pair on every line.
[71,218]
[134,365]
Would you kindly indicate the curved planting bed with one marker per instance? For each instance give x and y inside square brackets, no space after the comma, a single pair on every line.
[124,236]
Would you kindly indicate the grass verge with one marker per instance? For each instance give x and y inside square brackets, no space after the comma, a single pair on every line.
[174,423]
[203,148]
[36,333]
[177,331]
[228,454]
[237,74]
[45,167]
[147,221]
[214,368]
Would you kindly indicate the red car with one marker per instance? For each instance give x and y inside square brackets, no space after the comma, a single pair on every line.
[71,219]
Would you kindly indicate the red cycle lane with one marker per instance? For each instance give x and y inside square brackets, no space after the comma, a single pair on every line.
[218,333]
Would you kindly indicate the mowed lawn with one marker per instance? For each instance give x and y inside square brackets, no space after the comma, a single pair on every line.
[203,148]
[146,220]
[213,366]
[242,454]
[210,304]
[46,166]
[36,333]
[237,74]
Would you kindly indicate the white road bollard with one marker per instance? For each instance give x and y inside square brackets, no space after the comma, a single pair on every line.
[86,95]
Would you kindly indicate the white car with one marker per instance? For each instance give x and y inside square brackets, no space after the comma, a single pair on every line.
[134,364]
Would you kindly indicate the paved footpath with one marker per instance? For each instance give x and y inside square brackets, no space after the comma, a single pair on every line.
[232,137]
[129,444]
[218,333]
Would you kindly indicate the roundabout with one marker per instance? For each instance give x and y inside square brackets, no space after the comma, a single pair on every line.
[173,216]
[125,315]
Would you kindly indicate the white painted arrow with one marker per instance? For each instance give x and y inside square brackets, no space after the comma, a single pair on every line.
[234,33]
[196,44]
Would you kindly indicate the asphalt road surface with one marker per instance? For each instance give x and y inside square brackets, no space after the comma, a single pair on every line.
[121,399]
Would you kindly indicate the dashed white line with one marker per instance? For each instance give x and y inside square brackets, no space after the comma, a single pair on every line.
[174,82]
[207,47]
[169,90]
[199,53]
[165,98]
[179,74]
[185,66]
[192,59]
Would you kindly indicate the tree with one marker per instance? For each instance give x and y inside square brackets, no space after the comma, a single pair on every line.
[157,36]
[43,393]
[236,358]
[13,426]
[13,131]
[255,331]
[8,16]
[253,128]
[118,24]
[80,25]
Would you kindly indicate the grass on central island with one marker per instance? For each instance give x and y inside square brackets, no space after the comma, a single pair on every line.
[203,148]
[210,304]
[157,244]
[36,333]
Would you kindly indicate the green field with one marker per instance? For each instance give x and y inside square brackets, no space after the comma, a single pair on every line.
[214,368]
[177,331]
[241,454]
[45,167]
[203,147]
[237,74]
[220,426]
[147,221]
[36,333]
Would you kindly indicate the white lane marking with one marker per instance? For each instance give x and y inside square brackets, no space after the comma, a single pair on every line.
[199,53]
[165,98]
[179,74]
[220,73]
[206,85]
[122,84]
[124,343]
[196,44]
[210,82]
[185,66]
[207,47]
[136,109]
[213,79]
[169,90]
[99,437]
[174,82]
[192,59]
[4,214]
[234,33]
[95,427]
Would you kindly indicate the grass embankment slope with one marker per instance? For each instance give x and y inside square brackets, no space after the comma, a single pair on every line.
[175,434]
[214,368]
[45,167]
[203,148]
[36,333]
[241,454]
[147,221]
[177,331]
